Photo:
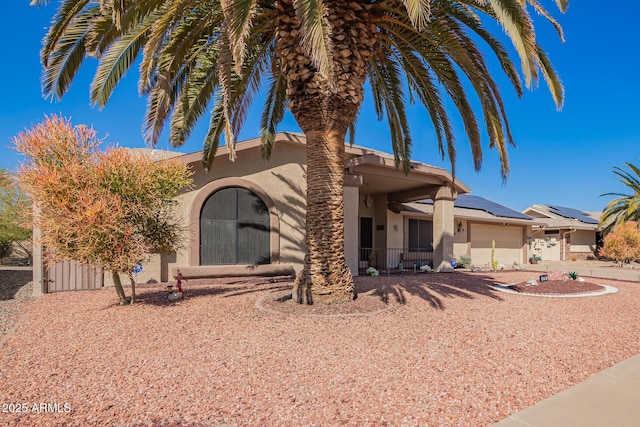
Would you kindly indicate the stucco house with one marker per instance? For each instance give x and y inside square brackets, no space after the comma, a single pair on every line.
[246,217]
[564,233]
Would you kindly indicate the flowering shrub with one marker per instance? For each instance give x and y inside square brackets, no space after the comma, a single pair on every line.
[623,244]
[110,209]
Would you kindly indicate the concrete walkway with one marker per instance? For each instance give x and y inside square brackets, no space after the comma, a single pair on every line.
[609,398]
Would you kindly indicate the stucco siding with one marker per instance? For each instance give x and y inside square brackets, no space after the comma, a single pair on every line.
[508,247]
[395,230]
[282,178]
[583,241]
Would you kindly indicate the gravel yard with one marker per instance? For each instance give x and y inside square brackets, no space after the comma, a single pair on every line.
[15,293]
[429,349]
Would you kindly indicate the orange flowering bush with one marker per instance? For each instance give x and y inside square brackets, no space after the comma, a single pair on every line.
[110,208]
[623,244]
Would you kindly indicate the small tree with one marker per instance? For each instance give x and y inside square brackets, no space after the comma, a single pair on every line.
[109,209]
[13,206]
[623,244]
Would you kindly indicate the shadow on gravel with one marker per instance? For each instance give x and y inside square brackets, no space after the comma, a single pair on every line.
[11,281]
[203,287]
[434,288]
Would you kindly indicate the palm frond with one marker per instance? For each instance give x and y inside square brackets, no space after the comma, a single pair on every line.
[419,12]
[158,37]
[238,16]
[542,11]
[386,82]
[551,77]
[194,99]
[316,34]
[512,15]
[225,78]
[63,62]
[115,63]
[212,138]
[274,109]
[62,22]
[625,207]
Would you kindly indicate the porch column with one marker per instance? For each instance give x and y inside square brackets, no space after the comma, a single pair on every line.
[443,228]
[351,197]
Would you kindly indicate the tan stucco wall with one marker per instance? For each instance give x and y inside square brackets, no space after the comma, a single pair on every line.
[548,252]
[380,221]
[460,238]
[395,230]
[583,241]
[509,246]
[282,178]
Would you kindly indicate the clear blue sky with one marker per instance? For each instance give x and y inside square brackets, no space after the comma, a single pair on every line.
[563,158]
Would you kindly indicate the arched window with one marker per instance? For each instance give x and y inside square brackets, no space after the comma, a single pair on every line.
[234,228]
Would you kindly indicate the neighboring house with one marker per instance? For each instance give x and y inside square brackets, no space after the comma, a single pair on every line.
[247,217]
[565,233]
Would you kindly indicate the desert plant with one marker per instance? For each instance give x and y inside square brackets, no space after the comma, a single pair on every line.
[494,261]
[14,215]
[627,206]
[110,209]
[465,261]
[622,245]
[573,275]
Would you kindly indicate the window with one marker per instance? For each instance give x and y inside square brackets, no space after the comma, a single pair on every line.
[234,228]
[420,235]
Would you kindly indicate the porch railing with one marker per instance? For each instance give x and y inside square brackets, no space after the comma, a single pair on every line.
[394,260]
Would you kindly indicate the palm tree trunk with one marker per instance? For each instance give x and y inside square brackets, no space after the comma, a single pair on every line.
[325,277]
[325,109]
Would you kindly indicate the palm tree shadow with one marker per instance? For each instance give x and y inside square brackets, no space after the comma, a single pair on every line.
[433,288]
[157,294]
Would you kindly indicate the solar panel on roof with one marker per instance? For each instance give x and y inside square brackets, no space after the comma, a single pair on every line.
[469,201]
[573,214]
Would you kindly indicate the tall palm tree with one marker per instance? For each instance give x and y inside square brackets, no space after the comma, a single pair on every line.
[313,57]
[626,207]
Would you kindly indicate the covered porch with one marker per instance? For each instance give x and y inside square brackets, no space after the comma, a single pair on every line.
[374,190]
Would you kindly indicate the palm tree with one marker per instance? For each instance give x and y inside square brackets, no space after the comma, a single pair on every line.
[312,57]
[627,206]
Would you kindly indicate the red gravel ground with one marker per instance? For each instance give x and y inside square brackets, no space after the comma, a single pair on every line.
[443,349]
[558,287]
